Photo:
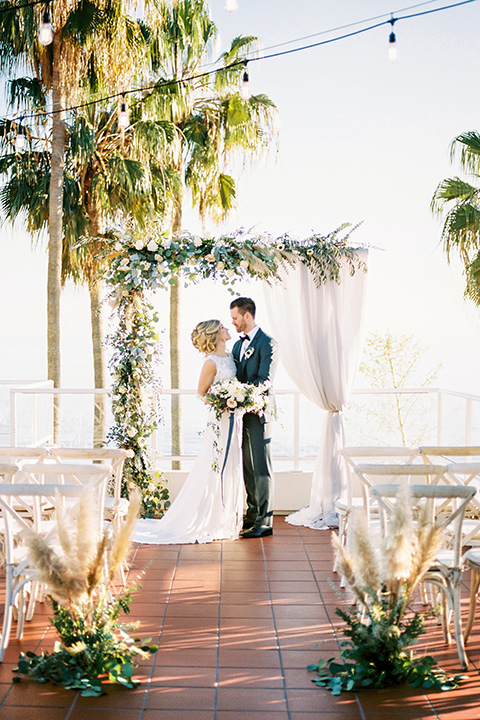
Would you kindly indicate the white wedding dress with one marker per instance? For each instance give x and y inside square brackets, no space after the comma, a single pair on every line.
[210,504]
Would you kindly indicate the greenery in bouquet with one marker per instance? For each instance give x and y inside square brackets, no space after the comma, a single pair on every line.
[230,395]
[79,567]
[380,625]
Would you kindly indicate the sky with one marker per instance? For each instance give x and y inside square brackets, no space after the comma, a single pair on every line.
[361,140]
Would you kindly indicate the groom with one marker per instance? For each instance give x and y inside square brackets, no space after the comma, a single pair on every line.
[254,355]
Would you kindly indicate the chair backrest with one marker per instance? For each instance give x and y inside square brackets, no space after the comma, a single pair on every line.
[373,474]
[434,453]
[447,507]
[15,498]
[115,457]
[95,476]
[20,454]
[378,454]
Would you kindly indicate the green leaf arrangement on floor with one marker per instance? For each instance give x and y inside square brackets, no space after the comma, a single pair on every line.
[379,626]
[78,568]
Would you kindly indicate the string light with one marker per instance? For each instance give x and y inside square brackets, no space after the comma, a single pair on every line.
[245,86]
[392,43]
[123,116]
[238,63]
[20,139]
[231,5]
[45,32]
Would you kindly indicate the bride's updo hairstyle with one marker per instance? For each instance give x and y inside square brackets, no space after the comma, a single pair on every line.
[204,336]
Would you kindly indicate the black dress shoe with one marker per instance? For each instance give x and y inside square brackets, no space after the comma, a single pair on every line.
[257,532]
[247,524]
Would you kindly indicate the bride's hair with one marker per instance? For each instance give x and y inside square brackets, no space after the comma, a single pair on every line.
[204,336]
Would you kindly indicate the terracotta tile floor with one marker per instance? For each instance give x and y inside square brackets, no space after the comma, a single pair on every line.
[237,623]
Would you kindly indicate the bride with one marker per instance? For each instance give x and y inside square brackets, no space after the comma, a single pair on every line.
[210,504]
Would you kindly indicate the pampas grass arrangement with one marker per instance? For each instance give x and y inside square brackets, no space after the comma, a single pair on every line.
[382,575]
[78,567]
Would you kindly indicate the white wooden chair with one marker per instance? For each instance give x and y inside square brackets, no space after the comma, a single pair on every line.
[355,494]
[17,571]
[115,507]
[446,572]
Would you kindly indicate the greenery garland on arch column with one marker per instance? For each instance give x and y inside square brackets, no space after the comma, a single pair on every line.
[143,261]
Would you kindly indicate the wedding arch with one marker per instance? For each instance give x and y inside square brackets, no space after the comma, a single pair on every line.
[317,283]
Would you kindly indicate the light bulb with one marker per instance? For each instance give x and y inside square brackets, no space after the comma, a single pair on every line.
[20,140]
[392,47]
[231,5]
[45,32]
[123,116]
[245,86]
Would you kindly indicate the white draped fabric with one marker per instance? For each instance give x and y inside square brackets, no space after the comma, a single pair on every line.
[319,332]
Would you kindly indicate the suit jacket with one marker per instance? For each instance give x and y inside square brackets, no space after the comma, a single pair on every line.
[258,363]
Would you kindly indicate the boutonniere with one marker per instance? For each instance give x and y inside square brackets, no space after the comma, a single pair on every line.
[249,352]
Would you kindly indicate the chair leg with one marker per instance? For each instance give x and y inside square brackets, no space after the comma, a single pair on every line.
[8,611]
[474,585]
[457,621]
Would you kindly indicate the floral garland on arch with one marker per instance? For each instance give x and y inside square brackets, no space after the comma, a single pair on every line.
[139,261]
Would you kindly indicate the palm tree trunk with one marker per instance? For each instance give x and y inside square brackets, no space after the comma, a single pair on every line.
[99,417]
[55,236]
[96,319]
[176,408]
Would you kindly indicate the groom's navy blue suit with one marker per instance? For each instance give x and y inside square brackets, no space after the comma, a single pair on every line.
[256,367]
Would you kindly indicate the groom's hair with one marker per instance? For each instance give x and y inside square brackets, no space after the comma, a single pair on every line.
[244,305]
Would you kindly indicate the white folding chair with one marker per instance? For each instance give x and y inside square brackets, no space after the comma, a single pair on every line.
[17,570]
[446,572]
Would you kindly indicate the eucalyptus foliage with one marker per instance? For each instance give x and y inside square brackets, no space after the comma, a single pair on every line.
[376,654]
[88,650]
[151,260]
[135,349]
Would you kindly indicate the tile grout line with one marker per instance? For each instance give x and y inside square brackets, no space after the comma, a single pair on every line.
[279,650]
[217,670]
[170,591]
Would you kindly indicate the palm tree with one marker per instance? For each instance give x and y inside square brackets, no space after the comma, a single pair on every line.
[214,124]
[77,61]
[460,199]
[108,172]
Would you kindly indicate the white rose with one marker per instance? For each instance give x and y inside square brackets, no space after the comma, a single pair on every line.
[157,256]
[231,403]
[131,431]
[244,263]
[220,265]
[152,246]
[139,245]
[118,246]
[197,242]
[210,257]
[152,487]
[122,389]
[230,273]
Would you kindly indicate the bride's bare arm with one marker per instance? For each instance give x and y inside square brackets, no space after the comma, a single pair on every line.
[209,370]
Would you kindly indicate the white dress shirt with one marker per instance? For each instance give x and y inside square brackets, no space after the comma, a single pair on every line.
[251,334]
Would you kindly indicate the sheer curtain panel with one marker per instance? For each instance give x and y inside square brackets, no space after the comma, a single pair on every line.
[319,331]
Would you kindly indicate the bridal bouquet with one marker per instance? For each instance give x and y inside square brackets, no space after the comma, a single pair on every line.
[230,395]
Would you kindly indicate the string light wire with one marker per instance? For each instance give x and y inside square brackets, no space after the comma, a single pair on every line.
[241,63]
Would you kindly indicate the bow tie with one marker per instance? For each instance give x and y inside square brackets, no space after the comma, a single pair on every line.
[245,337]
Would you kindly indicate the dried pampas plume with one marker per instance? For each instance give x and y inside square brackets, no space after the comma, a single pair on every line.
[73,563]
